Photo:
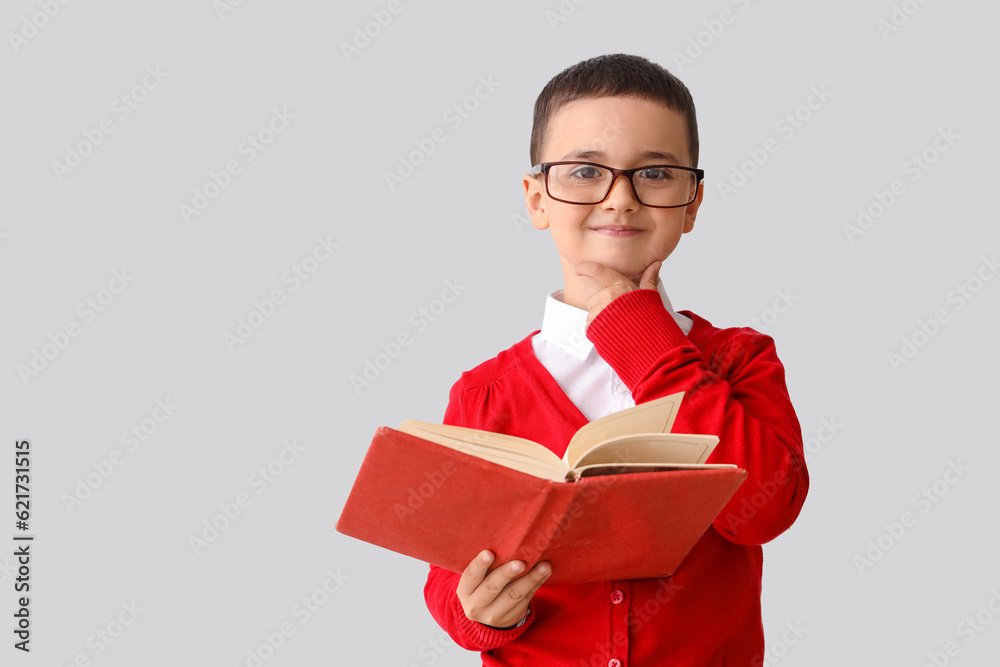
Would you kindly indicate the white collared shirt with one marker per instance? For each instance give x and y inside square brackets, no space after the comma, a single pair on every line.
[563,349]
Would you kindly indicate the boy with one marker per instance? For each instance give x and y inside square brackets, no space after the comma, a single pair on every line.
[611,340]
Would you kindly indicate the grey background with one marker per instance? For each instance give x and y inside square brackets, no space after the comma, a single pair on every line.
[460,216]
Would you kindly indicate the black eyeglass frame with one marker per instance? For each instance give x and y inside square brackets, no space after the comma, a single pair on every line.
[543,168]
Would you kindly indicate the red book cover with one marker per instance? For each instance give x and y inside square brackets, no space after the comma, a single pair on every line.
[444,506]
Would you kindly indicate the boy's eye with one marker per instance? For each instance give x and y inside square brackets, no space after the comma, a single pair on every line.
[656,174]
[586,172]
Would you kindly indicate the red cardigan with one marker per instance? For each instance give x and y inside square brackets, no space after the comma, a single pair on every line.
[708,613]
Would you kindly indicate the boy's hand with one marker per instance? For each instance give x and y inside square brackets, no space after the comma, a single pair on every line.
[613,284]
[499,598]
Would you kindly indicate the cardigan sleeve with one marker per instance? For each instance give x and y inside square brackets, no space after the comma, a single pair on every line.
[738,395]
[440,589]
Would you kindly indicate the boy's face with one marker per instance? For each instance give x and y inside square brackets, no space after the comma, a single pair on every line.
[623,133]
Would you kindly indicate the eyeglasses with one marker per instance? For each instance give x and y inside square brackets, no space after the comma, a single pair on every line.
[655,185]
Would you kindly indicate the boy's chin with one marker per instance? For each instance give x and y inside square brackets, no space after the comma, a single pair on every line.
[630,271]
[626,267]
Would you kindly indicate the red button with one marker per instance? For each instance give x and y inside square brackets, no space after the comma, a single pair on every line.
[614,662]
[617,596]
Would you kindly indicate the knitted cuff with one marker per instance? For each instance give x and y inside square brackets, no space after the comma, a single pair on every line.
[633,332]
[487,637]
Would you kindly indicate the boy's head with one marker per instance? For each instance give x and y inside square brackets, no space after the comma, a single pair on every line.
[614,112]
[617,75]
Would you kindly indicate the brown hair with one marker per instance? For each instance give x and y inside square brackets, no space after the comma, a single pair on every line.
[617,75]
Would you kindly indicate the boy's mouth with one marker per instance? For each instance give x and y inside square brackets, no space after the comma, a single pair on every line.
[617,230]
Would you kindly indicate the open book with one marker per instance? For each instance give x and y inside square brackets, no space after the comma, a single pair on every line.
[633,440]
[640,500]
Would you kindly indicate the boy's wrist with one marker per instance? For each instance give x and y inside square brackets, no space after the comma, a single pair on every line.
[485,638]
[512,627]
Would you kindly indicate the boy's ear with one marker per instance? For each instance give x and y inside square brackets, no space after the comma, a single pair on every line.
[534,201]
[691,212]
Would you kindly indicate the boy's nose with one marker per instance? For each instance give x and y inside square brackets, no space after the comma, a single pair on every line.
[621,193]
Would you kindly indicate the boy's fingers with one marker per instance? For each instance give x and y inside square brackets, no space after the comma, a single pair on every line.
[505,590]
[480,588]
[523,586]
[497,580]
[609,277]
[650,276]
[535,579]
[601,273]
[509,592]
[613,284]
[474,574]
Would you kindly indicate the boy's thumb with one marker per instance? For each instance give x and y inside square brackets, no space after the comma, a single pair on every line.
[651,276]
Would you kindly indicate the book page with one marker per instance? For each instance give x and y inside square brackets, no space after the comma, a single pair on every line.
[601,469]
[651,417]
[506,450]
[662,448]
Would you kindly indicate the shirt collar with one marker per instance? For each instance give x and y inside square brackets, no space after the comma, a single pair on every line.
[564,325]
